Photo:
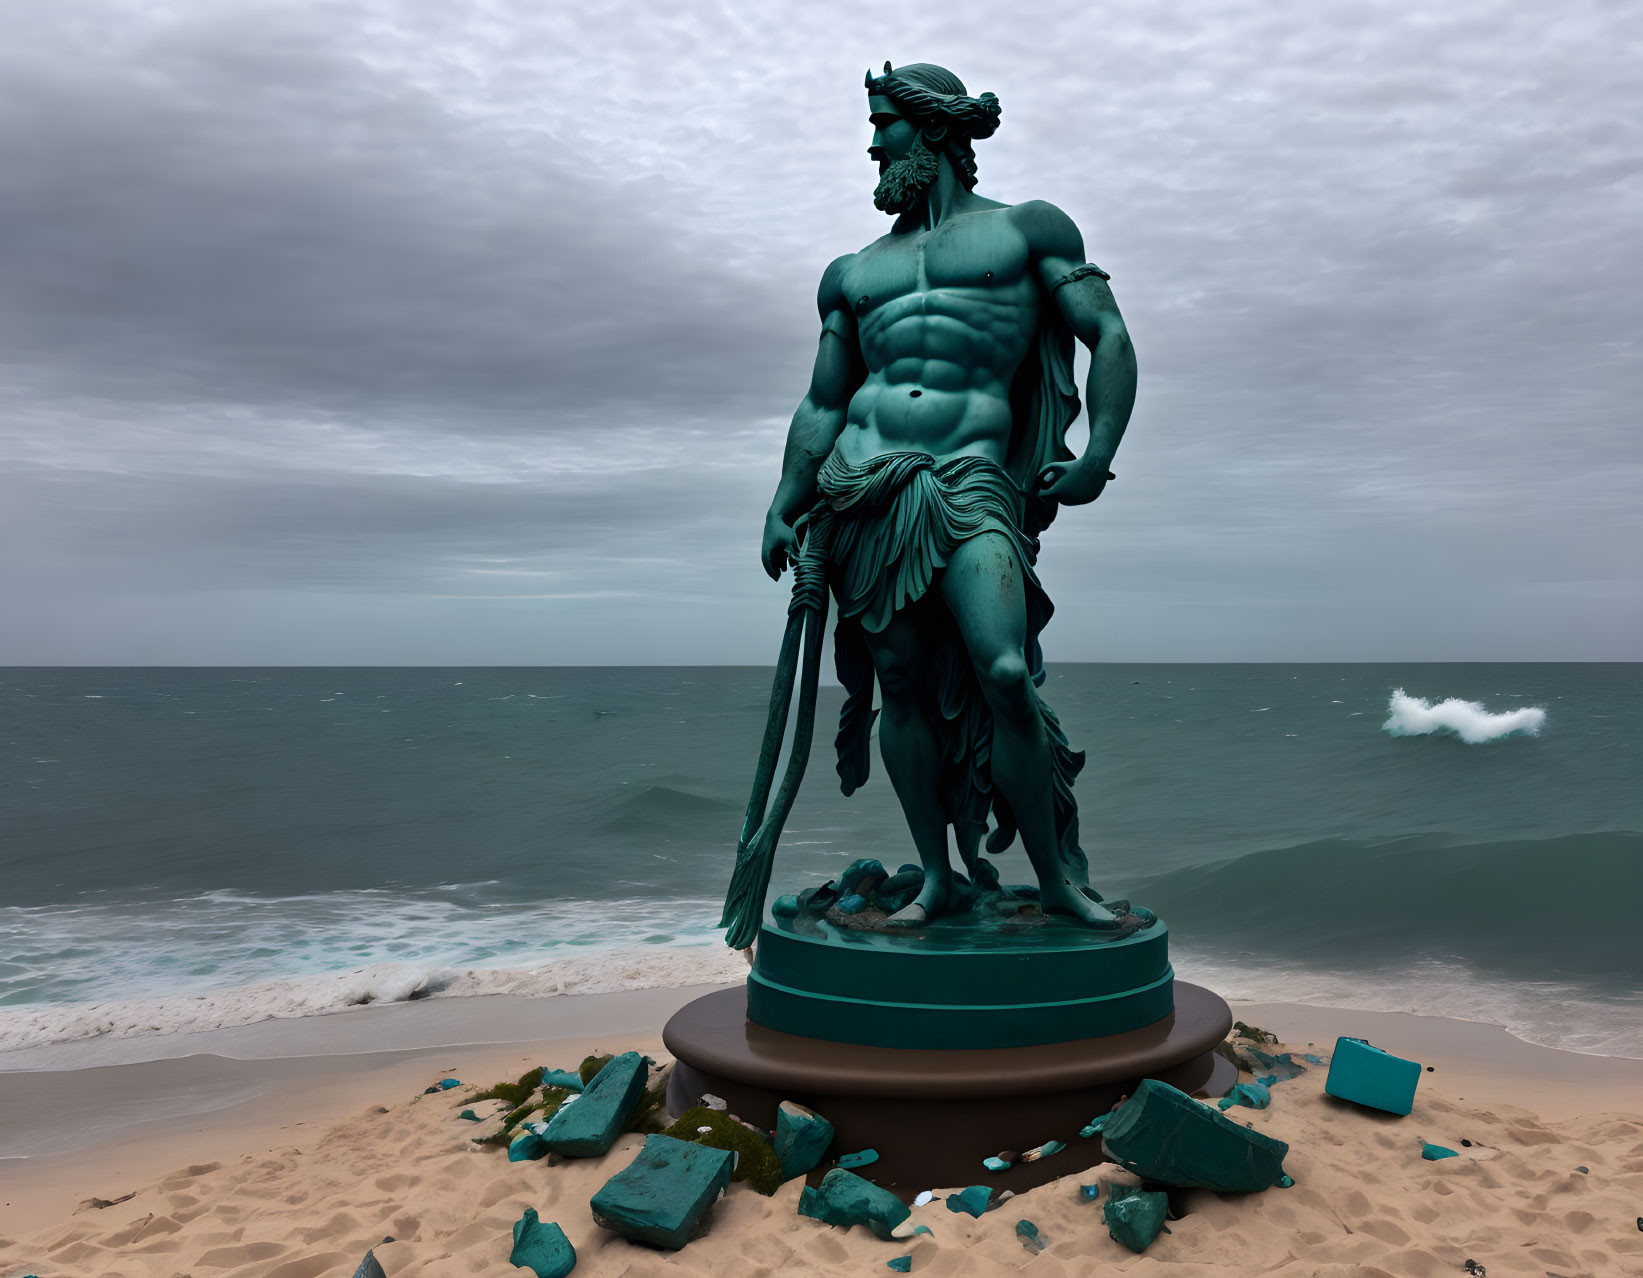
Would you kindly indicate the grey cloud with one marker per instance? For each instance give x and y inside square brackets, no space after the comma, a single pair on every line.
[328,303]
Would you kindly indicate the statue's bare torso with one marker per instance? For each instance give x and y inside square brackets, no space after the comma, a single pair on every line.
[944,318]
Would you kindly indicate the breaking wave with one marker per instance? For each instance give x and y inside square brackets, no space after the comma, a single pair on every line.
[605,972]
[1416,717]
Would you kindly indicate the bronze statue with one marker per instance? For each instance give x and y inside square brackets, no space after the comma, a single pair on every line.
[922,465]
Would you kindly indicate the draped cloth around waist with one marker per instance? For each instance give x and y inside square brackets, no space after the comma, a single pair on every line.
[896,521]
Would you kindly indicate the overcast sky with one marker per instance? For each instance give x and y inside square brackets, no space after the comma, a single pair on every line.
[443,332]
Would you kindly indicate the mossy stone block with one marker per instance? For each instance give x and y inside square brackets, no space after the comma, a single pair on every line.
[662,1195]
[1365,1075]
[591,1125]
[844,1198]
[1162,1134]
[803,1138]
[541,1248]
[1136,1219]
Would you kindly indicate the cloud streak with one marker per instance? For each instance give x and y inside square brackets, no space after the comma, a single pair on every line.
[344,301]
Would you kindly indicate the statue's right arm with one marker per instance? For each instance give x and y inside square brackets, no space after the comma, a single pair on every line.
[838,373]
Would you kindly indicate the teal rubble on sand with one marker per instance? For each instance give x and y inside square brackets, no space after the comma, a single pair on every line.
[901,1264]
[996,1164]
[1095,1126]
[802,1138]
[1254,1095]
[1137,1218]
[470,1116]
[569,1079]
[1089,1193]
[443,1085]
[1365,1075]
[1031,1239]
[370,1267]
[1162,1134]
[591,1125]
[1432,1153]
[663,1194]
[541,1248]
[972,1201]
[527,1147]
[844,1198]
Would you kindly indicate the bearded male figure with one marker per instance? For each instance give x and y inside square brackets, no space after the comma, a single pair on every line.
[932,445]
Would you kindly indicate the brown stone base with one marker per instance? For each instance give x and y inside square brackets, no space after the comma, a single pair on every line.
[934,1115]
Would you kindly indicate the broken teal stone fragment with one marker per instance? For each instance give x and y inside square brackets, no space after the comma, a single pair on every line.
[370,1267]
[861,1158]
[661,1196]
[445,1084]
[470,1116]
[569,1079]
[1042,1151]
[541,1248]
[1136,1219]
[844,1198]
[1089,1193]
[1162,1134]
[995,1164]
[855,903]
[901,1264]
[1431,1153]
[972,1201]
[527,1148]
[1095,1126]
[802,1138]
[1254,1095]
[920,1229]
[1365,1075]
[1286,1181]
[591,1126]
[1312,1058]
[1029,1235]
[785,907]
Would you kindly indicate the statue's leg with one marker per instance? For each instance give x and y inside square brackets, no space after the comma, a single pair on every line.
[983,586]
[912,758]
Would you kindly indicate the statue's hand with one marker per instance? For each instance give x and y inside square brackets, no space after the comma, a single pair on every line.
[1073,483]
[781,545]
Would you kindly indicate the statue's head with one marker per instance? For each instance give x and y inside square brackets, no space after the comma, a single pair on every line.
[919,113]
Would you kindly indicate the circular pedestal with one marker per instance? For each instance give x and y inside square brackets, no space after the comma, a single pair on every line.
[933,1115]
[961,982]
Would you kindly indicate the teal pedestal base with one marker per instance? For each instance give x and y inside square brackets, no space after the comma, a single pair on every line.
[965,983]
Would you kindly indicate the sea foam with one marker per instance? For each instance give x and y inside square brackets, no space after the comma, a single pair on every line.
[321,993]
[1415,717]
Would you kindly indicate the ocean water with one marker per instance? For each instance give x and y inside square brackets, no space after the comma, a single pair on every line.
[188,849]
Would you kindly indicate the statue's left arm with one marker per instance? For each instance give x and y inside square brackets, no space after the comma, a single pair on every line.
[1080,291]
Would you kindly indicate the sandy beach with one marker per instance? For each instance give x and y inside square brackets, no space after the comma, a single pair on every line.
[286,1149]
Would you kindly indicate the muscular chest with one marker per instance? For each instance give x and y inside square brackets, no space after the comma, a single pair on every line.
[973,270]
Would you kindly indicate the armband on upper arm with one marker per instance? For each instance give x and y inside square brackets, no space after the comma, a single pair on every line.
[835,322]
[1087,271]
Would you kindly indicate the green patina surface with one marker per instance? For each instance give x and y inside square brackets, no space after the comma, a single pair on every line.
[915,496]
[662,1195]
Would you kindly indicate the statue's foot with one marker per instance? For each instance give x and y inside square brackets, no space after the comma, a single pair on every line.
[928,904]
[1067,900]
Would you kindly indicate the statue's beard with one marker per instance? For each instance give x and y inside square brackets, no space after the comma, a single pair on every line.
[906,180]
